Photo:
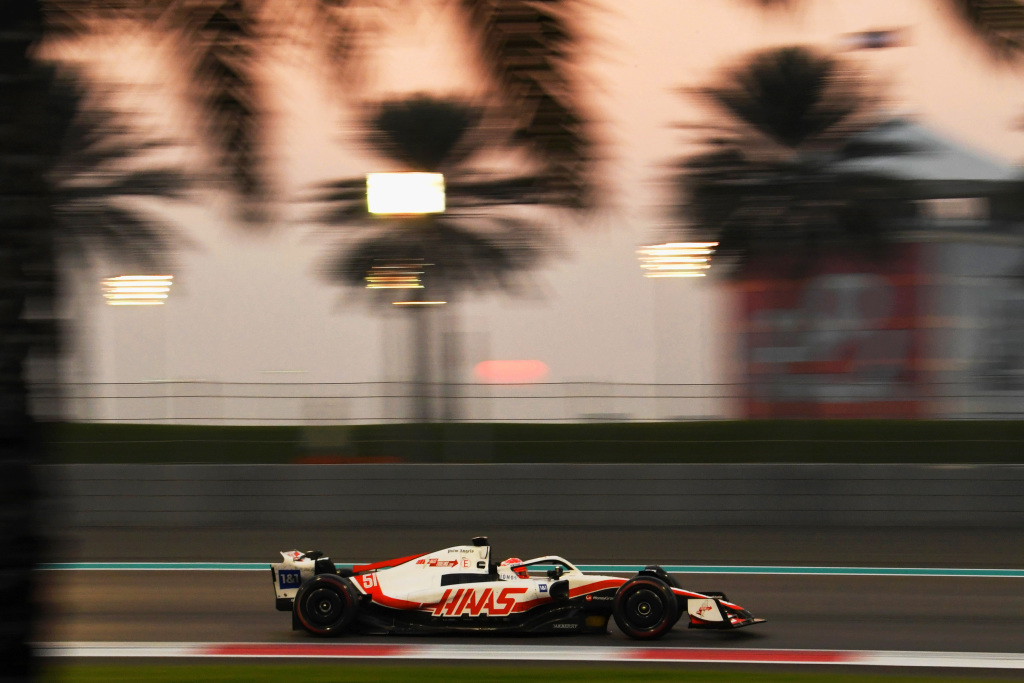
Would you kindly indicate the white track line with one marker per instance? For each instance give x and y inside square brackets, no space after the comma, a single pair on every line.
[630,653]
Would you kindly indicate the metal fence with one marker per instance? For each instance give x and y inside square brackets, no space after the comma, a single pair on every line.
[281,403]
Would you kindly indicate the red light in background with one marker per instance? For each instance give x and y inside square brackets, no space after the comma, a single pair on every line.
[510,371]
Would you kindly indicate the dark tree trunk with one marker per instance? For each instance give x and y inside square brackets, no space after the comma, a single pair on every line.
[30,132]
[450,362]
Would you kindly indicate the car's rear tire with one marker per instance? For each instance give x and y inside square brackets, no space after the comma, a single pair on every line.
[645,608]
[326,605]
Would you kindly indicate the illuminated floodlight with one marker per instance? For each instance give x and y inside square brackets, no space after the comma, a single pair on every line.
[137,290]
[405,193]
[677,259]
[418,303]
[395,276]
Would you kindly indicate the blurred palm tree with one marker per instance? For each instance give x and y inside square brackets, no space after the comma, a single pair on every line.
[221,47]
[63,178]
[769,180]
[529,49]
[997,25]
[485,237]
[103,168]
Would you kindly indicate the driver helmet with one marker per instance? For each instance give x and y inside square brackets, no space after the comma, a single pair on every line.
[517,567]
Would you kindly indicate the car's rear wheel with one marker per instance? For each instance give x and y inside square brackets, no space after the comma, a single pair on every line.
[326,605]
[645,608]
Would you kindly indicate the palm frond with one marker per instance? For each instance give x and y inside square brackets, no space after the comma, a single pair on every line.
[341,185]
[793,95]
[103,164]
[114,232]
[528,47]
[451,256]
[166,183]
[219,42]
[999,24]
[347,214]
[356,194]
[336,35]
[481,192]
[423,132]
[790,197]
[475,243]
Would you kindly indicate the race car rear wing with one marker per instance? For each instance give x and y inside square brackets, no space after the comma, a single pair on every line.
[296,568]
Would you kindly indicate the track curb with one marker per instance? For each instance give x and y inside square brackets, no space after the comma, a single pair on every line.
[619,654]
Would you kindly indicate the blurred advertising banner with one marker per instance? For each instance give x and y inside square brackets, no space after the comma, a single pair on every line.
[843,340]
[976,333]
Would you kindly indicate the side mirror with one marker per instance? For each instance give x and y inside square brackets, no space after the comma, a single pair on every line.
[556,573]
[559,590]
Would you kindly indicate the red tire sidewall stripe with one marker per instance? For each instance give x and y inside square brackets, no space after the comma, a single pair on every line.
[659,586]
[347,597]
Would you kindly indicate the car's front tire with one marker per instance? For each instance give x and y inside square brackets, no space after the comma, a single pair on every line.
[326,605]
[645,608]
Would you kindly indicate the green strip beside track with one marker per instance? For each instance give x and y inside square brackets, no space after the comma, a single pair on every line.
[359,673]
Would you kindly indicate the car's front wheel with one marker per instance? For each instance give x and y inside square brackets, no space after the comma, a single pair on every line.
[645,608]
[326,605]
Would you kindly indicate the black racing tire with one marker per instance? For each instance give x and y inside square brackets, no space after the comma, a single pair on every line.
[326,605]
[645,608]
[658,572]
[680,611]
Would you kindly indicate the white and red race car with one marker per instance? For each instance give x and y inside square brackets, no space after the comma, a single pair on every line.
[461,589]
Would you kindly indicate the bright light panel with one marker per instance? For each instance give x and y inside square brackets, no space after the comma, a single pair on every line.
[510,371]
[676,259]
[137,290]
[399,276]
[419,303]
[405,193]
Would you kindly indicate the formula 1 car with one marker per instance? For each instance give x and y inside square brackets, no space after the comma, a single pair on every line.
[462,589]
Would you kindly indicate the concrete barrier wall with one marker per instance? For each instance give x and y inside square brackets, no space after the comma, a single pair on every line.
[571,495]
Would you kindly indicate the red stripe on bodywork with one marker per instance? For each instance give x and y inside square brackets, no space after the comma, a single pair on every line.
[376,594]
[596,586]
[381,599]
[774,656]
[359,568]
[688,594]
[303,650]
[529,604]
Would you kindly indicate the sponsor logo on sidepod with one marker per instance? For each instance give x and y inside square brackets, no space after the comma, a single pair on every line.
[477,602]
[434,562]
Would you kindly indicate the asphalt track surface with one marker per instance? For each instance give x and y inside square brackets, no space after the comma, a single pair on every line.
[805,612]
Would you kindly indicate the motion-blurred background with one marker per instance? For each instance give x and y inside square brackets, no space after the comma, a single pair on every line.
[743,231]
[858,167]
